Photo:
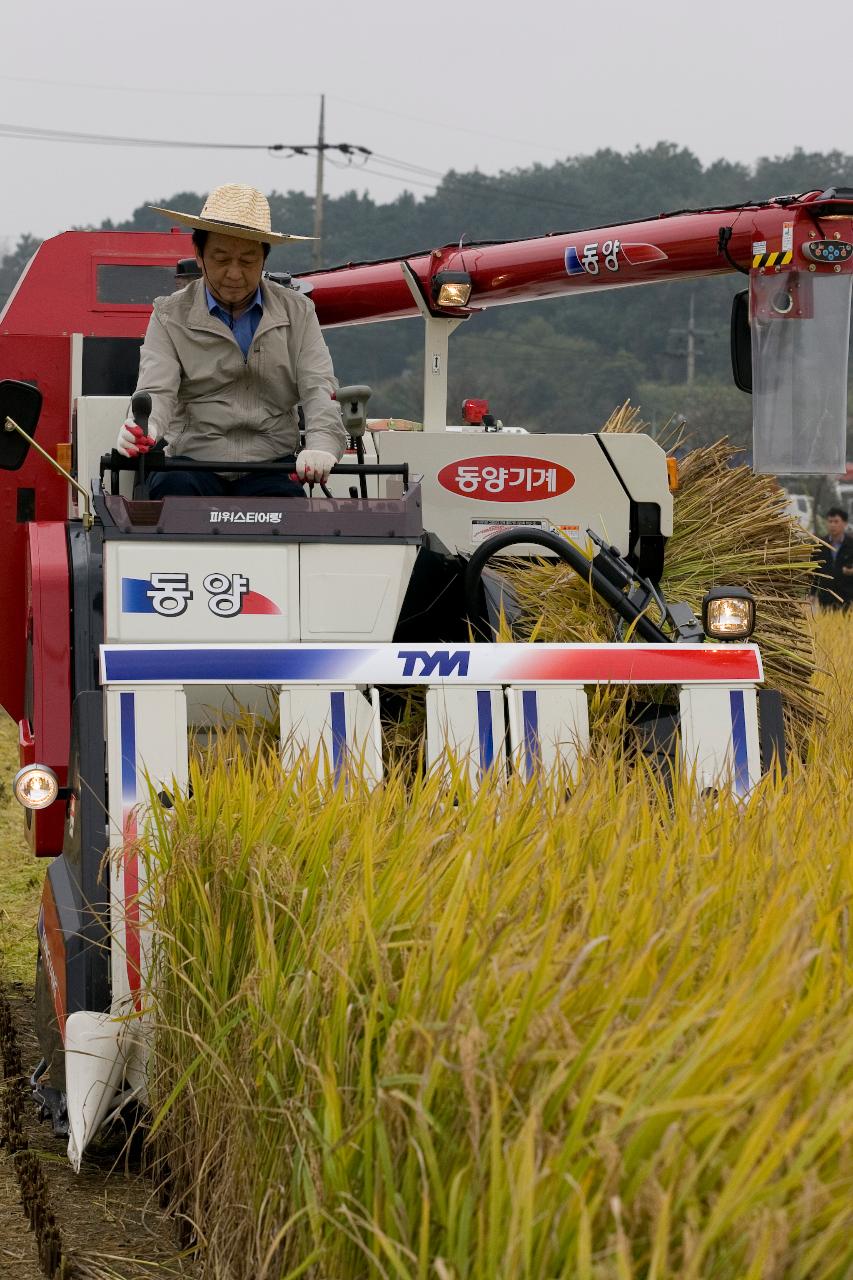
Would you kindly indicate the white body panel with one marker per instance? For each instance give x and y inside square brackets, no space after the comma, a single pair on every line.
[352,592]
[341,724]
[470,724]
[474,482]
[146,744]
[156,588]
[719,736]
[96,422]
[548,727]
[192,592]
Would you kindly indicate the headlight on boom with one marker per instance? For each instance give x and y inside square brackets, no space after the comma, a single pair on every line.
[35,786]
[728,613]
[451,288]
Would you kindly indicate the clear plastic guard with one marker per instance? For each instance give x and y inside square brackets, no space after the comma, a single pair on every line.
[800,338]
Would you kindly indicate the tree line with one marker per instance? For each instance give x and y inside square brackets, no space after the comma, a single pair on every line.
[557,365]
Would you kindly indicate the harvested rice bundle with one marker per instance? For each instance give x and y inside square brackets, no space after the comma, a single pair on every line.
[730,528]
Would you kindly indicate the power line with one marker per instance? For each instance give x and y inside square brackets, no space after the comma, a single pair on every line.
[35,134]
[169,91]
[465,188]
[406,174]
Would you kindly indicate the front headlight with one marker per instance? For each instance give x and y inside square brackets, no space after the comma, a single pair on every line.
[35,786]
[728,613]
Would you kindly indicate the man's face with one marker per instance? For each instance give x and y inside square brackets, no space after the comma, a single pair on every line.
[232,267]
[835,527]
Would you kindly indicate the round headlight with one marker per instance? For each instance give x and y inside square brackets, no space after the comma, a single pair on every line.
[35,786]
[728,613]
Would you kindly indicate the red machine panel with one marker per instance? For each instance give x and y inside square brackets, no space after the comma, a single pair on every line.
[44,728]
[98,284]
[36,492]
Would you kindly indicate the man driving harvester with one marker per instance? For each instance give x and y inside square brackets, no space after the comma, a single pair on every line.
[227,359]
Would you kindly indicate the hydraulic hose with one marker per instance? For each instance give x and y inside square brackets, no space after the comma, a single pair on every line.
[576,560]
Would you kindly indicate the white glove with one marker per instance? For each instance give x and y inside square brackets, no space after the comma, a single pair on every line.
[132,440]
[314,465]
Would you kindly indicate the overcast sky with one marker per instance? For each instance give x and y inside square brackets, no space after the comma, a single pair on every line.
[436,86]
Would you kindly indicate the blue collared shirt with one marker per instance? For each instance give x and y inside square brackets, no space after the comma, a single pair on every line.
[245,325]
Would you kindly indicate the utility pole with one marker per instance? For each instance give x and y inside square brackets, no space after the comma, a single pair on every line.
[318,194]
[691,344]
[692,349]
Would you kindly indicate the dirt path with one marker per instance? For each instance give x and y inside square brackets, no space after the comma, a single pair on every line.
[108,1215]
[18,1257]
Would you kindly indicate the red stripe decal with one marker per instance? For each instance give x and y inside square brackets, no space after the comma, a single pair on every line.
[668,664]
[254,602]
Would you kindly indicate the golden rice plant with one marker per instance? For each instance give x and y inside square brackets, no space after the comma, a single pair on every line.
[423,1031]
[730,528]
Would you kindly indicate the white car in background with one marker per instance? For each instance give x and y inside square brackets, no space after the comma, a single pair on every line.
[801,508]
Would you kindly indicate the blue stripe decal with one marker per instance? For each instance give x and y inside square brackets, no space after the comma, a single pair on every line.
[739,745]
[484,727]
[339,732]
[135,597]
[530,718]
[250,666]
[574,266]
[127,708]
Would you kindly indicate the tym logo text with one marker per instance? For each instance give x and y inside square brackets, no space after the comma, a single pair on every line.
[442,662]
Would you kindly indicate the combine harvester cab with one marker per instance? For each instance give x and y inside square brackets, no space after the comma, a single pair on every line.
[128,620]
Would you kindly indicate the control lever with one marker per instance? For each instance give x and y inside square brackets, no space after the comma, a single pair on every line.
[140,407]
[353,401]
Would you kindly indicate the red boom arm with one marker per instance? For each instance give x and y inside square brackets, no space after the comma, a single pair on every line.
[672,247]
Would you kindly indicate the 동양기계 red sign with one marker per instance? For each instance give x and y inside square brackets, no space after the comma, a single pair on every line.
[506,478]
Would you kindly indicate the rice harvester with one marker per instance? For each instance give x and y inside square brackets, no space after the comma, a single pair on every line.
[131,622]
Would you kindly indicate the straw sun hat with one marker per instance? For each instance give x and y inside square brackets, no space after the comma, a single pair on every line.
[233,210]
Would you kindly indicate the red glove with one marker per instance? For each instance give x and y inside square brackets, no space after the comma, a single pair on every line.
[132,440]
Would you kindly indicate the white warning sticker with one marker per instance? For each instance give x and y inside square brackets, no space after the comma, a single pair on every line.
[787,237]
[759,246]
[484,527]
[481,529]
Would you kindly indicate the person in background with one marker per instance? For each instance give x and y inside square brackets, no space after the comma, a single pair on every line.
[186,270]
[833,587]
[228,358]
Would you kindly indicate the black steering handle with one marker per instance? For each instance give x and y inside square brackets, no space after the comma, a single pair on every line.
[157,460]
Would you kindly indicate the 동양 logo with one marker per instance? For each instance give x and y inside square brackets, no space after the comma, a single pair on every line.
[169,595]
[610,255]
[510,478]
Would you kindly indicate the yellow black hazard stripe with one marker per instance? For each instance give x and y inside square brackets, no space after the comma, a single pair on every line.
[778,259]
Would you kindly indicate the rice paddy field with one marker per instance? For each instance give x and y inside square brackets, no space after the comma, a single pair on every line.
[598,1031]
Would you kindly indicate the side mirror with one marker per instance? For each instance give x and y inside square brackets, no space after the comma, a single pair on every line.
[20,402]
[741,342]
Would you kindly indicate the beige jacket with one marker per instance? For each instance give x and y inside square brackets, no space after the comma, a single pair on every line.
[211,404]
